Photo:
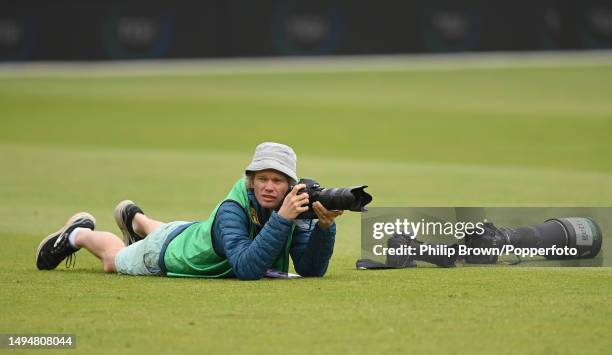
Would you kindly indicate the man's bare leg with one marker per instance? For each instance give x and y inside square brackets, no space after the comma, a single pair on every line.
[144,225]
[78,232]
[133,223]
[104,245]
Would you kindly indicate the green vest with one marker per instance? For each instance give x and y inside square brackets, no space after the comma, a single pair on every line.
[191,253]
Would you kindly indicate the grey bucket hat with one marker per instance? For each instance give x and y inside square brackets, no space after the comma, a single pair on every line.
[280,157]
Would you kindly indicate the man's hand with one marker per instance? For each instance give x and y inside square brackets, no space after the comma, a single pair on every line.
[326,217]
[294,204]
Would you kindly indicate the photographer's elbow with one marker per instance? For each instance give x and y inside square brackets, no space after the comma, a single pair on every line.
[249,277]
[311,273]
[245,275]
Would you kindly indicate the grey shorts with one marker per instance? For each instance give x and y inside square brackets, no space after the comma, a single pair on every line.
[142,257]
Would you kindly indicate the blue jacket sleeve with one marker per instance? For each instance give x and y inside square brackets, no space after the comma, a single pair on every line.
[249,258]
[312,249]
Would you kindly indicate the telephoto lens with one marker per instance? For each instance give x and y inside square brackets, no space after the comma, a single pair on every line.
[581,233]
[340,198]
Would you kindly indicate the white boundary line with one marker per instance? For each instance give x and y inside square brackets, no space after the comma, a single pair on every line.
[329,64]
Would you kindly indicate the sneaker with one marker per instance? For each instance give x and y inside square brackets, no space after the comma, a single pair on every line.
[124,215]
[56,247]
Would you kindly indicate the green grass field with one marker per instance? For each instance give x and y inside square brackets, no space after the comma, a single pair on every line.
[508,136]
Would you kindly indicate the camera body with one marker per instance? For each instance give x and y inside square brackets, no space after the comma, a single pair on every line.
[492,237]
[341,198]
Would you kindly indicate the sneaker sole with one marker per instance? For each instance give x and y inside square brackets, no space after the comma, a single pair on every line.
[72,219]
[119,219]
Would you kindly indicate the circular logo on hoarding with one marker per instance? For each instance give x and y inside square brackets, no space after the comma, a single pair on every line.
[306,32]
[16,39]
[597,27]
[137,37]
[451,30]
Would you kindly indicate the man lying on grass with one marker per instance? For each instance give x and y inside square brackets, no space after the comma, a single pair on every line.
[245,236]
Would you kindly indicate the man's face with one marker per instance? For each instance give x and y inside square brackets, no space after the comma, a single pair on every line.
[270,187]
